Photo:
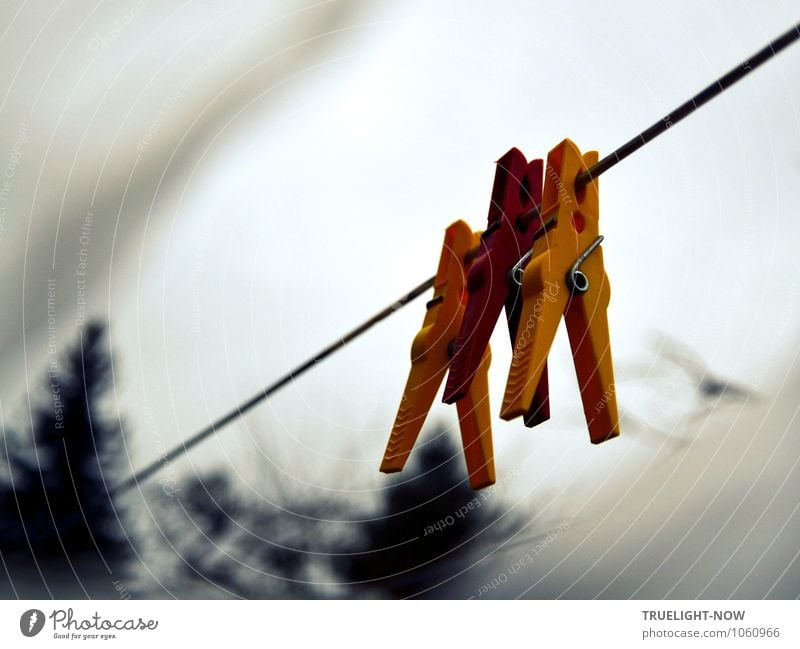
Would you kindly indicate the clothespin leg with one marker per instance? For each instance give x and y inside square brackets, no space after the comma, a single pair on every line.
[587,325]
[475,417]
[420,391]
[539,412]
[537,327]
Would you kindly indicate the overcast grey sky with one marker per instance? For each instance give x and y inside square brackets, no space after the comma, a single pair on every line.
[251,183]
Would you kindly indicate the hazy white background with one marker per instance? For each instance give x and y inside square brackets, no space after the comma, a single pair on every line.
[263,179]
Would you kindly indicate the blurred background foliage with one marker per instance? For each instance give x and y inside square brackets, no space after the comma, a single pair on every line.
[211,537]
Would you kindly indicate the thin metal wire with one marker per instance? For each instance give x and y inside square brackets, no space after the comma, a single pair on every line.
[682,111]
[241,409]
[687,108]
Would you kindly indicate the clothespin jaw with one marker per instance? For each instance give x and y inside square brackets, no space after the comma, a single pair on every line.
[565,277]
[430,359]
[517,188]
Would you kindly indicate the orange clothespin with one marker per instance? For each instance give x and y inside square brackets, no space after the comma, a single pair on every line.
[565,276]
[430,359]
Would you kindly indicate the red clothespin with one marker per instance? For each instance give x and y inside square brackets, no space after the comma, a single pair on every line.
[517,189]
[430,358]
[565,277]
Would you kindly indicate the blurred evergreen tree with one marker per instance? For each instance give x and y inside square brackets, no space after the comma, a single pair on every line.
[54,493]
[217,539]
[430,520]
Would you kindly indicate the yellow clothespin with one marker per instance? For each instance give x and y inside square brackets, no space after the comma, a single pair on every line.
[565,276]
[430,359]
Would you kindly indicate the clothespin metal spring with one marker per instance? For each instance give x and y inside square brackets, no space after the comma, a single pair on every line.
[515,274]
[577,281]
